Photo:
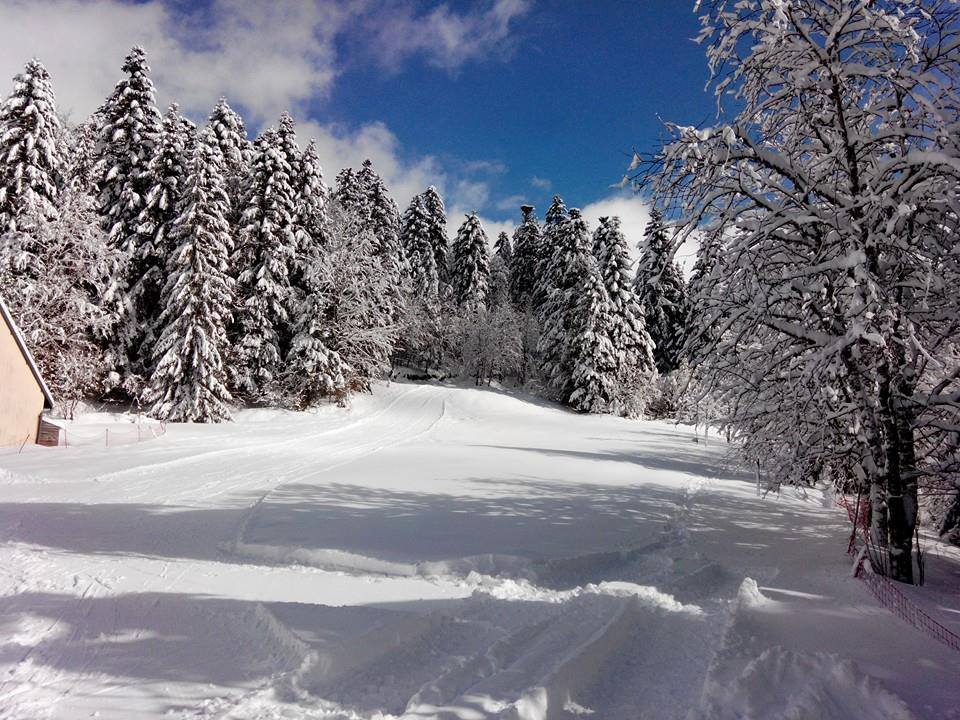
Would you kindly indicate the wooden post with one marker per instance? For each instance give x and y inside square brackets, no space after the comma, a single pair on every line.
[106,437]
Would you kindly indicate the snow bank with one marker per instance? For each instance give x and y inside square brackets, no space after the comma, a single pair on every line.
[781,684]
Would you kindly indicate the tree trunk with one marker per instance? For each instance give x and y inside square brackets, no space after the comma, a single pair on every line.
[901,477]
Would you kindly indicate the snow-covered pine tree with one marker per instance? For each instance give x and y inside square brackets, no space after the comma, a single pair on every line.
[262,262]
[415,234]
[437,220]
[165,178]
[32,162]
[312,370]
[231,134]
[527,240]
[561,289]
[702,320]
[304,251]
[549,268]
[191,136]
[470,269]
[129,133]
[632,346]
[661,291]
[591,357]
[384,220]
[313,196]
[351,196]
[189,382]
[500,271]
[82,156]
[503,249]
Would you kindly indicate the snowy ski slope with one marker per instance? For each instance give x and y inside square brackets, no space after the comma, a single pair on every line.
[439,552]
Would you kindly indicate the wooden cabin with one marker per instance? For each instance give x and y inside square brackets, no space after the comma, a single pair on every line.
[24,395]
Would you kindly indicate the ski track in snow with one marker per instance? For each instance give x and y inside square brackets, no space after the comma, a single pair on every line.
[432,553]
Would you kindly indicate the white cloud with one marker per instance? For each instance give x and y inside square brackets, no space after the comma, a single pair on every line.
[265,57]
[511,204]
[446,38]
[633,211]
[541,183]
[634,214]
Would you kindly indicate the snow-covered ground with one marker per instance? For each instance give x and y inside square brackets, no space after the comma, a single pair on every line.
[438,552]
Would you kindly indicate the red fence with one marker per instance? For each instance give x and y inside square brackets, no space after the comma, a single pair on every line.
[882,588]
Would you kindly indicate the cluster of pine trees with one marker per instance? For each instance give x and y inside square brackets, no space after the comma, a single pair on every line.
[186,268]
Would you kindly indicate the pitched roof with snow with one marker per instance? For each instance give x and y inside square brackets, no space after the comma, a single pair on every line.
[22,344]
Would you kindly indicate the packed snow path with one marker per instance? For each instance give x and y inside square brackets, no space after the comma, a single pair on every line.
[437,553]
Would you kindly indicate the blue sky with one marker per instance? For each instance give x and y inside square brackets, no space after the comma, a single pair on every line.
[494,101]
[584,83]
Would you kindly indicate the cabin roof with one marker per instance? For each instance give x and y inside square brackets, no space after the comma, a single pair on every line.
[22,344]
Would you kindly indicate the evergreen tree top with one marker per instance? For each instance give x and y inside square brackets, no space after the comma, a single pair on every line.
[31,153]
[655,233]
[226,122]
[287,139]
[557,213]
[434,203]
[503,248]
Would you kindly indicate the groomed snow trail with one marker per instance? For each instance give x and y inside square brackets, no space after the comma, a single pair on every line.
[438,553]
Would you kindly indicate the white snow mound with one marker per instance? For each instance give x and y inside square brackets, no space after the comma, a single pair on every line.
[782,684]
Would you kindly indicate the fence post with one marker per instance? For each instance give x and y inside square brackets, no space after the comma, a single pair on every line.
[106,437]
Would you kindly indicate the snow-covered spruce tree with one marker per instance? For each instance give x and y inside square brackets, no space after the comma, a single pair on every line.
[189,381]
[351,196]
[503,248]
[547,270]
[661,290]
[312,198]
[499,295]
[470,268]
[437,220]
[592,358]
[165,178]
[129,133]
[53,280]
[308,199]
[262,262]
[527,241]
[82,156]
[562,286]
[31,151]
[312,370]
[384,221]
[231,135]
[701,324]
[415,234]
[833,189]
[632,346]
